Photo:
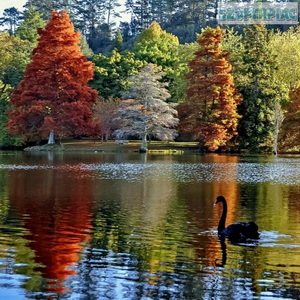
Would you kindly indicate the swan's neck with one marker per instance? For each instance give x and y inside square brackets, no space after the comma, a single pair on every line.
[222,221]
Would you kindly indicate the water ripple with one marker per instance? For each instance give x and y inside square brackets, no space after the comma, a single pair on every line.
[285,173]
[24,167]
[279,172]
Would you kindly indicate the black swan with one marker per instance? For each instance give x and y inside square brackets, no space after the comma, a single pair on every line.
[236,232]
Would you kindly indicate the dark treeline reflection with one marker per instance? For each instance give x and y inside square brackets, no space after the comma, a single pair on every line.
[84,231]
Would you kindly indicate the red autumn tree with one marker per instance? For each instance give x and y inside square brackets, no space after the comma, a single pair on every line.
[53,97]
[210,113]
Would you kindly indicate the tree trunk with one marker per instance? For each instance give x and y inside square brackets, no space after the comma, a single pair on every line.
[144,148]
[51,138]
[275,143]
[279,117]
[109,12]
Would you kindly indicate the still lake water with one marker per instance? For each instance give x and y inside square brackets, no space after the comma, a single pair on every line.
[131,226]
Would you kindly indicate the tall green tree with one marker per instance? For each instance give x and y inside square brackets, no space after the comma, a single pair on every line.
[260,90]
[14,56]
[102,42]
[179,81]
[45,7]
[88,15]
[118,41]
[286,45]
[141,15]
[7,140]
[91,15]
[189,12]
[111,11]
[290,133]
[210,112]
[85,48]
[181,17]
[11,18]
[158,47]
[112,72]
[28,30]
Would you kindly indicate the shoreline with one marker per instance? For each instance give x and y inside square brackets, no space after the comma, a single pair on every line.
[154,147]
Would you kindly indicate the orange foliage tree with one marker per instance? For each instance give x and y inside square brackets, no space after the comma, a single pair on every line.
[209,115]
[54,97]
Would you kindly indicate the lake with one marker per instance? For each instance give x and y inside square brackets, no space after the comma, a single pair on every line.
[141,226]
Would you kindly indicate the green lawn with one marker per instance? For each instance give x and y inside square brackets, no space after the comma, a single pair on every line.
[112,146]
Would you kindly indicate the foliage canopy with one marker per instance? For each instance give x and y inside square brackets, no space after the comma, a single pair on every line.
[158,47]
[210,112]
[53,95]
[145,112]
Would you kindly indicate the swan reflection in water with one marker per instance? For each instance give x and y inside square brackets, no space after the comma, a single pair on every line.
[224,255]
[222,262]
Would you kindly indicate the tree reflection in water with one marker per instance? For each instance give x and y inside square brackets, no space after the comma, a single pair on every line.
[148,229]
[57,215]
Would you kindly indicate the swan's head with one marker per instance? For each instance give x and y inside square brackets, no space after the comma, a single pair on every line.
[220,199]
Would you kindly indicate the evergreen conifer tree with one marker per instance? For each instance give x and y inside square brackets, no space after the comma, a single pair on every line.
[260,91]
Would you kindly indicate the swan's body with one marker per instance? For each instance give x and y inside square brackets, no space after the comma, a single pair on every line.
[236,232]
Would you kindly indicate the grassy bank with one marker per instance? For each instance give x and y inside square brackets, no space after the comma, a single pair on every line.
[89,145]
[112,146]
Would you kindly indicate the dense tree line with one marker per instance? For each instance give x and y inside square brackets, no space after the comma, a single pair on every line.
[234,89]
[99,20]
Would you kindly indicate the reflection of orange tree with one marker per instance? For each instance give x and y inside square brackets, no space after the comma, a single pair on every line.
[202,213]
[229,189]
[201,196]
[57,214]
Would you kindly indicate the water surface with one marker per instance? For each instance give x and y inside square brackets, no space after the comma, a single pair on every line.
[131,226]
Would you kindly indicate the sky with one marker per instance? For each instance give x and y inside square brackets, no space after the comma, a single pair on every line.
[11,3]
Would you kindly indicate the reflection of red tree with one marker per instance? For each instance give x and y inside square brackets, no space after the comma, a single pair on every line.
[56,210]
